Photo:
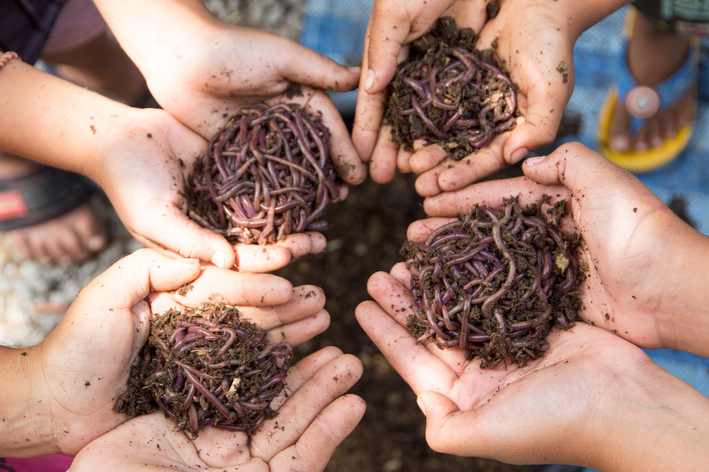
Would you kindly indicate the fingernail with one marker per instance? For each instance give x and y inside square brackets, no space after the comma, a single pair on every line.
[96,243]
[369,83]
[219,259]
[534,160]
[421,405]
[518,155]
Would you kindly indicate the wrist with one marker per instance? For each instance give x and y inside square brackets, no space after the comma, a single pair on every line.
[26,429]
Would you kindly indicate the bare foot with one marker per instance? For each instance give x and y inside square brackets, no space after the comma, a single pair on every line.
[653,56]
[71,237]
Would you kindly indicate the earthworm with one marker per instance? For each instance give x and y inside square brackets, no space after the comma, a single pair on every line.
[265,175]
[484,299]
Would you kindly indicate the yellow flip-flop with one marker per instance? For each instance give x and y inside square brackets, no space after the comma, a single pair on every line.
[644,101]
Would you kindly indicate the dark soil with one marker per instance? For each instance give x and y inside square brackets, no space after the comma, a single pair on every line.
[495,282]
[367,231]
[206,366]
[265,175]
[450,93]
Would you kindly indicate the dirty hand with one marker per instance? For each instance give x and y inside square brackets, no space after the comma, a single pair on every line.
[313,418]
[202,70]
[394,25]
[646,268]
[77,373]
[158,155]
[591,388]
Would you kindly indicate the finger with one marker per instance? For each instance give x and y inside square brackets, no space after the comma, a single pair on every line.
[382,166]
[442,416]
[489,193]
[300,331]
[427,157]
[314,69]
[474,167]
[420,230]
[368,113]
[131,279]
[304,301]
[403,160]
[177,232]
[304,371]
[343,153]
[294,417]
[415,363]
[234,288]
[271,257]
[316,445]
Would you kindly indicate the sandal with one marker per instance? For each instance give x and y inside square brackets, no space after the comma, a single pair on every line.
[643,102]
[41,195]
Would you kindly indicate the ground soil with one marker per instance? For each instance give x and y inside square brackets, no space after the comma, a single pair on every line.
[366,233]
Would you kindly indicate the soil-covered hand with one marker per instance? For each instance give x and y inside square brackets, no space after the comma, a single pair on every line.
[646,268]
[77,373]
[593,400]
[312,420]
[143,172]
[535,42]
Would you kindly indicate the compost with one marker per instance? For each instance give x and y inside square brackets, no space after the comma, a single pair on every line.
[265,175]
[207,367]
[450,93]
[495,282]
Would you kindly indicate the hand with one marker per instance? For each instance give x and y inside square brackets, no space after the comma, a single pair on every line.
[81,368]
[394,25]
[223,68]
[311,422]
[646,276]
[143,174]
[533,39]
[593,399]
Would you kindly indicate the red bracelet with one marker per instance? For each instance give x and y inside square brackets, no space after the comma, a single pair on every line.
[7,57]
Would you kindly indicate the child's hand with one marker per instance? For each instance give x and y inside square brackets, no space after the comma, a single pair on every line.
[646,268]
[312,420]
[590,397]
[82,367]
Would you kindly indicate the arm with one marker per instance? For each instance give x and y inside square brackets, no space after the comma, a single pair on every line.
[594,399]
[647,277]
[522,30]
[201,70]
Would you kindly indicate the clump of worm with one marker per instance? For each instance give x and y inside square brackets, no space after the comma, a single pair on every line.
[207,367]
[265,175]
[450,93]
[495,282]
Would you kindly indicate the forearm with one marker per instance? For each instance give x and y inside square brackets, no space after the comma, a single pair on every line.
[54,122]
[148,31]
[651,422]
[26,428]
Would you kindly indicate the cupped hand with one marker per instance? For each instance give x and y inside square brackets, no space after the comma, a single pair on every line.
[645,277]
[313,418]
[593,399]
[83,365]
[143,174]
[533,38]
[224,68]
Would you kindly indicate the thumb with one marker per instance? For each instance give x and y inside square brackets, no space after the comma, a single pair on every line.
[448,430]
[314,69]
[178,234]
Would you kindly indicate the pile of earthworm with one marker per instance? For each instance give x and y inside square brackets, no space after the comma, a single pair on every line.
[494,282]
[449,94]
[207,367]
[265,175]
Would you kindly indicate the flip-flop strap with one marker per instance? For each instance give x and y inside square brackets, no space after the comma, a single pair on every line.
[41,195]
[656,97]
